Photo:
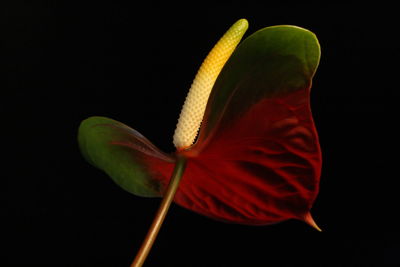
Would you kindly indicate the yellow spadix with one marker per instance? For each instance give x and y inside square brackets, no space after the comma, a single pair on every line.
[195,103]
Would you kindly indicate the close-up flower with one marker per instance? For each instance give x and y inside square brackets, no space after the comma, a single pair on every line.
[247,149]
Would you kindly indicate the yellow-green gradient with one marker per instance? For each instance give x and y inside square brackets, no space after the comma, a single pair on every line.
[195,103]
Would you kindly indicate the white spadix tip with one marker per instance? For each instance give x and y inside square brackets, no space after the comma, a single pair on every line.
[195,103]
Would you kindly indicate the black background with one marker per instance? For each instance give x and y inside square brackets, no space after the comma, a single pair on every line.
[63,62]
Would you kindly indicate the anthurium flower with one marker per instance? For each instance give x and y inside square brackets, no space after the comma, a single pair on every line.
[256,159]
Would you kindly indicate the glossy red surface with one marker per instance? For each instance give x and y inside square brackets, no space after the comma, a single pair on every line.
[262,169]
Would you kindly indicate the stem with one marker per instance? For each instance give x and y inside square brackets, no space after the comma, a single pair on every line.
[161,213]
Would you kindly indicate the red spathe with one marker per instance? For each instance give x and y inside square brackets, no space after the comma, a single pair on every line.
[262,169]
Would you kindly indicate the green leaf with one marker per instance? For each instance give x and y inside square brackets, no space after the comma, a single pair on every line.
[271,62]
[124,154]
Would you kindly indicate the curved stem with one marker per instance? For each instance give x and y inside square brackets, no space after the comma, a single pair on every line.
[161,213]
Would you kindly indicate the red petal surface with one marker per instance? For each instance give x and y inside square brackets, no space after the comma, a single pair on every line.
[260,170]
